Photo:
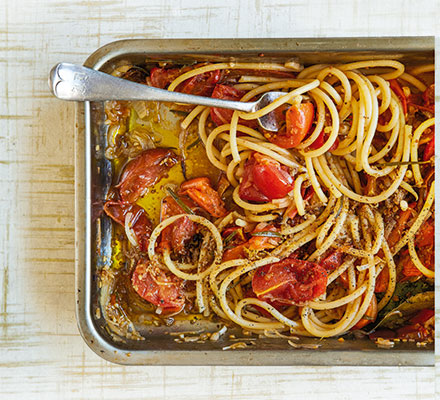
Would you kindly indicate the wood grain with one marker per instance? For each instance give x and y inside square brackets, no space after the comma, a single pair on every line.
[42,354]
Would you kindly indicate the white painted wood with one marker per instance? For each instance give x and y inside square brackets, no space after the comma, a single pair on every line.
[42,354]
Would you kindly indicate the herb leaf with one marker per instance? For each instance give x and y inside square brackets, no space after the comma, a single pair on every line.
[180,202]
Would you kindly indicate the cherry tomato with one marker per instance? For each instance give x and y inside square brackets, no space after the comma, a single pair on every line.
[289,281]
[234,253]
[426,256]
[320,141]
[202,193]
[369,316]
[429,151]
[332,261]
[222,116]
[395,87]
[299,120]
[143,172]
[162,77]
[140,223]
[157,287]
[177,235]
[425,234]
[264,179]
[201,85]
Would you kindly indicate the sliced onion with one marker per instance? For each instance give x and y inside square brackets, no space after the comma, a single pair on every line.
[129,231]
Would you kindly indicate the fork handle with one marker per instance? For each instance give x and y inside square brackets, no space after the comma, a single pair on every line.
[78,83]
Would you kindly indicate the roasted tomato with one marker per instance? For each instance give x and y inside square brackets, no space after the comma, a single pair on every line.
[289,281]
[321,139]
[369,316]
[202,193]
[139,221]
[332,261]
[383,280]
[396,88]
[177,235]
[429,151]
[222,116]
[157,287]
[162,77]
[143,172]
[136,74]
[414,332]
[299,119]
[264,179]
[201,85]
[429,96]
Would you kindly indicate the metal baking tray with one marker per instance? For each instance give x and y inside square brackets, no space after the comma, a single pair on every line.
[93,233]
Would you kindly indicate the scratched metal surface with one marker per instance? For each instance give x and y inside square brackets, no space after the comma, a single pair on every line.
[41,352]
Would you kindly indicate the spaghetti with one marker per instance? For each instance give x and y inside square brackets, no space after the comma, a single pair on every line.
[308,229]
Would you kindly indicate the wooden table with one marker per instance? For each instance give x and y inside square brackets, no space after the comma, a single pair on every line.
[42,354]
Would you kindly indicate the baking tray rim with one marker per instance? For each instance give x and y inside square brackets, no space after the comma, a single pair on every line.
[83,272]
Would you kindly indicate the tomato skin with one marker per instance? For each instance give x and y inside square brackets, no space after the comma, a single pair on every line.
[264,179]
[144,171]
[429,151]
[162,77]
[396,88]
[299,119]
[429,96]
[289,281]
[422,316]
[414,332]
[332,261]
[371,313]
[140,223]
[179,233]
[425,235]
[202,193]
[157,287]
[320,141]
[382,281]
[202,84]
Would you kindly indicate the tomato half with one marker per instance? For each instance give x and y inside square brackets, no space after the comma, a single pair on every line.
[139,221]
[177,235]
[202,84]
[222,116]
[162,77]
[264,179]
[289,281]
[320,141]
[299,119]
[332,261]
[159,288]
[144,171]
[202,193]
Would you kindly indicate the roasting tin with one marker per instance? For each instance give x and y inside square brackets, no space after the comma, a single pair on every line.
[93,232]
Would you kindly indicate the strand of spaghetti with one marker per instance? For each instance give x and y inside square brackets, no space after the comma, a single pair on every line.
[386,193]
[265,79]
[216,308]
[334,233]
[348,145]
[223,267]
[202,124]
[399,67]
[364,94]
[261,218]
[320,120]
[299,227]
[246,86]
[220,66]
[335,127]
[324,178]
[252,207]
[322,305]
[392,276]
[391,141]
[413,81]
[312,71]
[295,326]
[190,117]
[297,197]
[345,86]
[233,137]
[290,245]
[421,69]
[331,91]
[279,101]
[314,181]
[328,224]
[232,165]
[375,220]
[385,92]
[340,270]
[416,260]
[201,296]
[360,134]
[415,147]
[424,214]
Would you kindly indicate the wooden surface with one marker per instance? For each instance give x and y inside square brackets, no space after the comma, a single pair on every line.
[42,354]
